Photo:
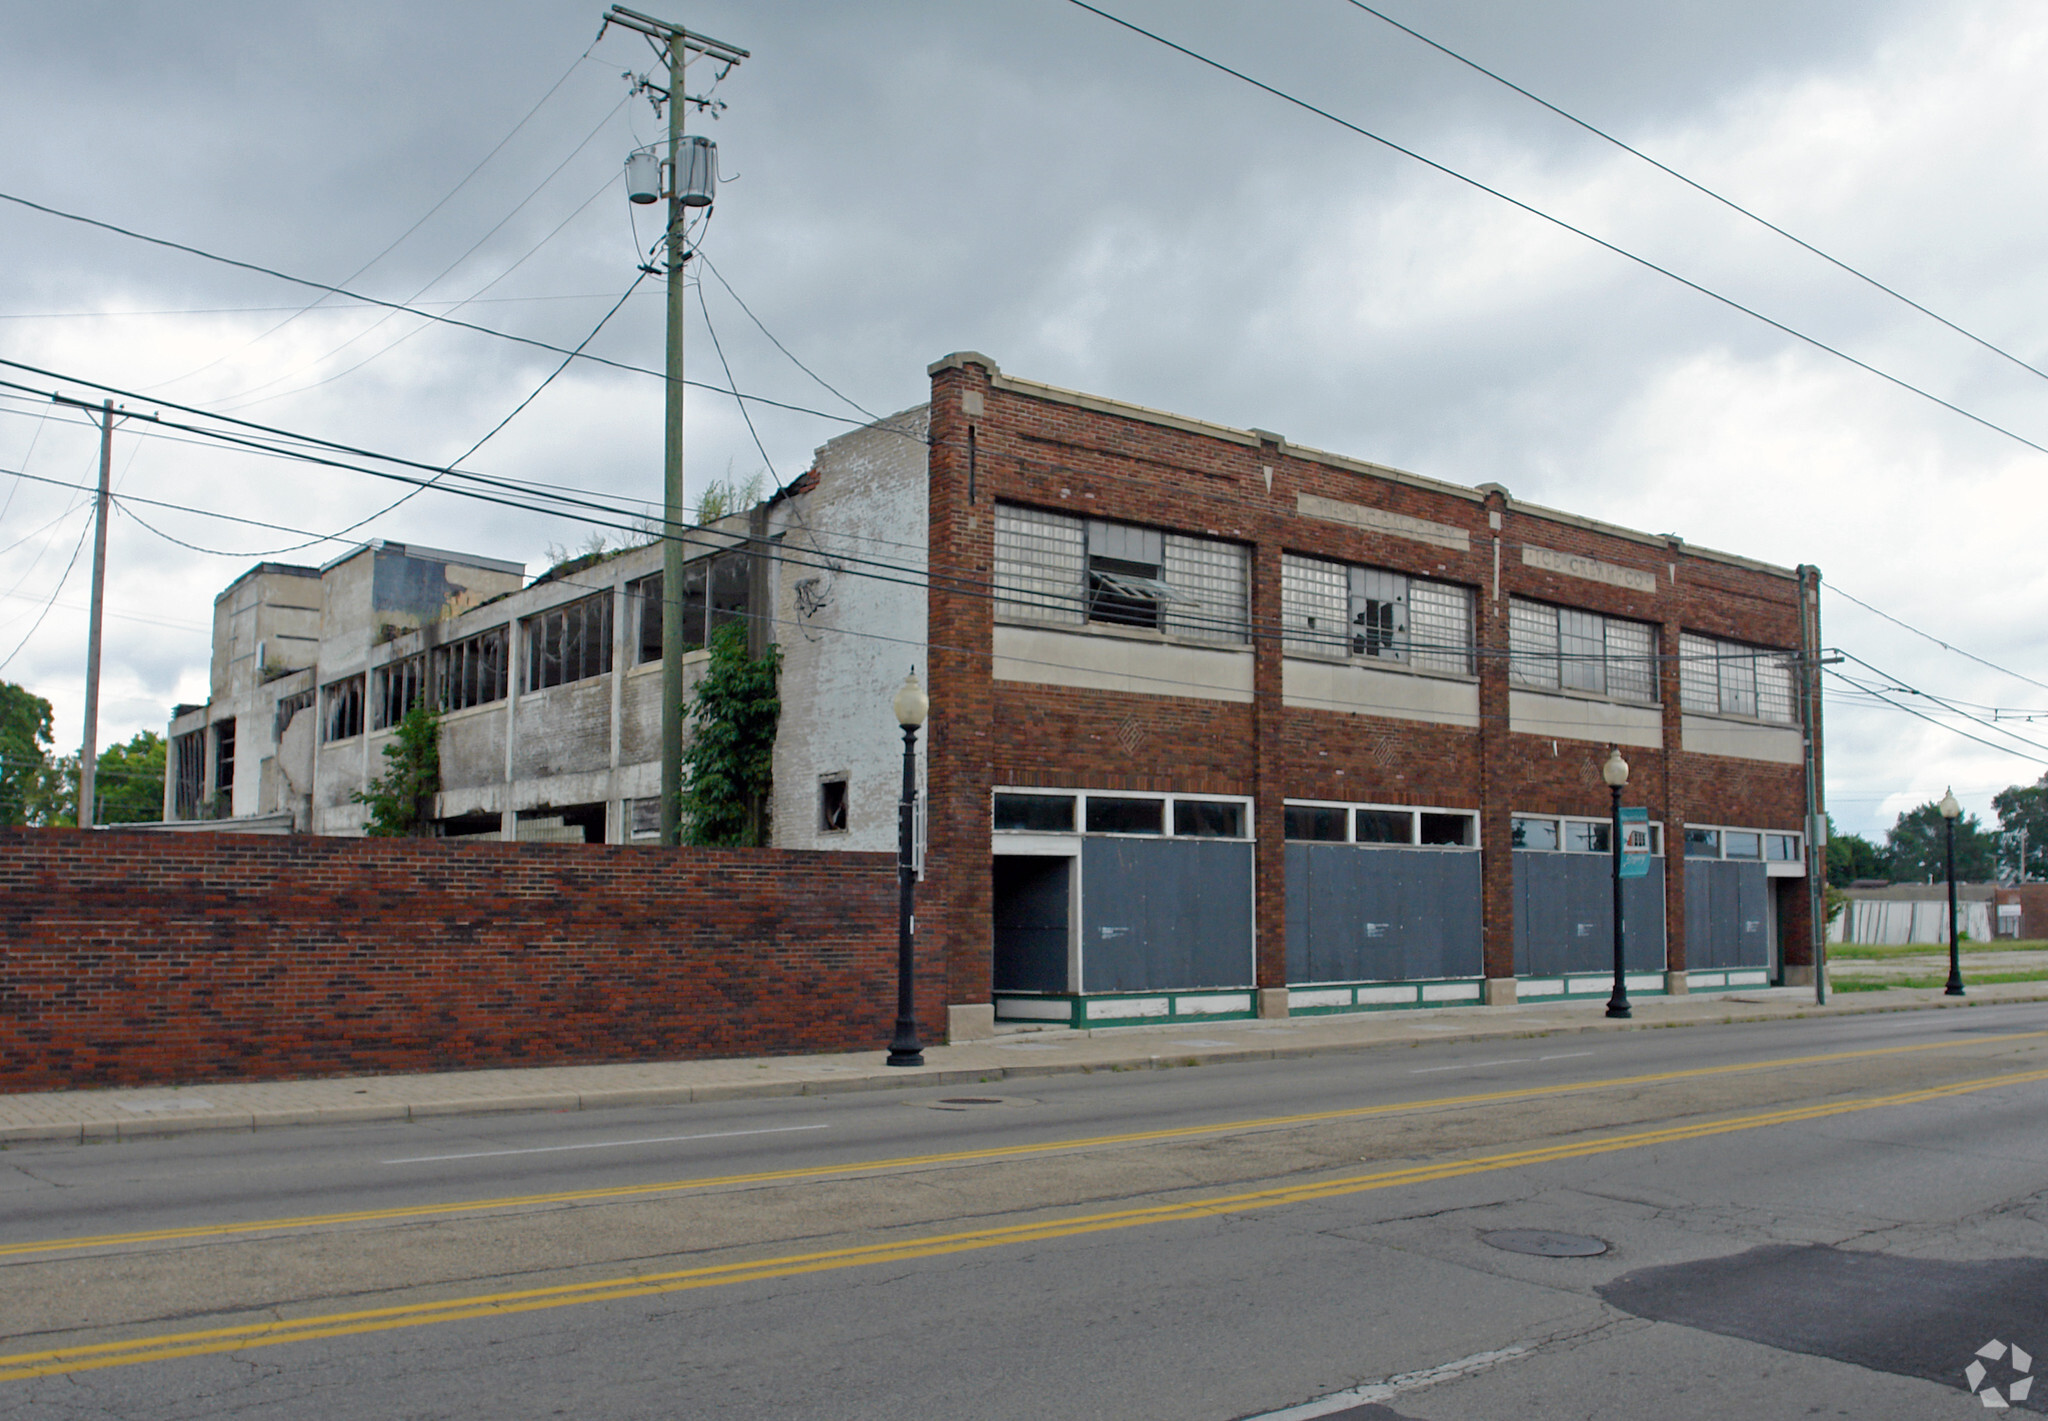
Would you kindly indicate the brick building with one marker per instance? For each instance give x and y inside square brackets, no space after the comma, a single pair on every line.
[1224,726]
[1220,725]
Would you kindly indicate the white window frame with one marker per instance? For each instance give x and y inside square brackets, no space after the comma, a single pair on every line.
[1081,797]
[1657,844]
[1413,811]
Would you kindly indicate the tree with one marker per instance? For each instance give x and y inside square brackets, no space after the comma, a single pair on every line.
[1914,847]
[401,800]
[729,762]
[2025,807]
[1851,856]
[25,770]
[128,787]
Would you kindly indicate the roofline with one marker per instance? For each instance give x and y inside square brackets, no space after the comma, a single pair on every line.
[511,569]
[1252,438]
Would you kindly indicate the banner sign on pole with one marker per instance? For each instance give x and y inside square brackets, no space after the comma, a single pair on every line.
[1635,843]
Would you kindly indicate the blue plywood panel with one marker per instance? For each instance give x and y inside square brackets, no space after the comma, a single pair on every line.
[1564,915]
[1725,919]
[1381,915]
[1165,914]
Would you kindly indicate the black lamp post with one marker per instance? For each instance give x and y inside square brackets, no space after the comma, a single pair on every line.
[1615,772]
[911,707]
[1949,810]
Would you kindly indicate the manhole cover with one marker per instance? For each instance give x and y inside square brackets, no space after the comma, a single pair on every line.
[970,1100]
[1545,1244]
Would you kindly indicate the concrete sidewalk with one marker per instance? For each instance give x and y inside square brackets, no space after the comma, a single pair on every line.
[124,1113]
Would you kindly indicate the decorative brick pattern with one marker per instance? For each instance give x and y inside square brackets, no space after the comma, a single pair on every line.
[142,958]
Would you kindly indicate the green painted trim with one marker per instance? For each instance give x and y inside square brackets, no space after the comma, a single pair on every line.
[1078,1019]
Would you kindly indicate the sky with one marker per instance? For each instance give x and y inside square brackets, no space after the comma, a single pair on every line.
[906,178]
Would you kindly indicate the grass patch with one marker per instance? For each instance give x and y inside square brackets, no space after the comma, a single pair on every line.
[1865,953]
[1935,979]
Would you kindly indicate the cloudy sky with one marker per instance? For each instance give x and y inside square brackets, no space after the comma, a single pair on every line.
[1021,177]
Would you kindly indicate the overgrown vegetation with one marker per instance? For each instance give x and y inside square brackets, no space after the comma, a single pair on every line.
[729,495]
[401,800]
[728,766]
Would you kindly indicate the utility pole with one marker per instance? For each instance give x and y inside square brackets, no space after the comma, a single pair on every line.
[675,44]
[89,753]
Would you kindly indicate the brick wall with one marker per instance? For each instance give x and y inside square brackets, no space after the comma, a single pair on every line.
[143,958]
[1087,461]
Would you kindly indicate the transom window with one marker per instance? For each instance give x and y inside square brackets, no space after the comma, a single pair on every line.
[1064,571]
[1333,609]
[1727,678]
[1751,845]
[1392,826]
[1563,648]
[1571,834]
[1115,812]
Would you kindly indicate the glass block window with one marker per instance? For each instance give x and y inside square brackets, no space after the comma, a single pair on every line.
[1332,609]
[1565,648]
[1440,626]
[1041,564]
[1209,578]
[1315,606]
[1727,678]
[1063,571]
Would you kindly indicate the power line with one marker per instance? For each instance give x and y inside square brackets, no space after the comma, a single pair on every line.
[395,306]
[1967,655]
[870,415]
[1534,211]
[1701,188]
[1922,715]
[1901,686]
[37,626]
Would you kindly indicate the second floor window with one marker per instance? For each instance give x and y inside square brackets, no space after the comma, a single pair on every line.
[1562,648]
[571,643]
[1333,609]
[471,672]
[1065,571]
[341,708]
[716,590]
[398,686]
[1727,678]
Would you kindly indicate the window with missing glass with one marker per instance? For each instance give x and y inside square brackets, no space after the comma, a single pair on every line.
[1563,648]
[1060,570]
[1718,677]
[471,672]
[832,804]
[717,591]
[341,709]
[395,688]
[568,644]
[223,756]
[1334,609]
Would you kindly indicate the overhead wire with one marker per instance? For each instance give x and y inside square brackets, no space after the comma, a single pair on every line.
[393,246]
[1945,646]
[1701,188]
[1728,301]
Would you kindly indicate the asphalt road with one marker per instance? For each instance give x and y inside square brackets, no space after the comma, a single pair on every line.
[1807,1218]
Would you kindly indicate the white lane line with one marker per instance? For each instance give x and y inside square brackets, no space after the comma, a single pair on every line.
[1564,1055]
[1395,1385]
[602,1145]
[1472,1066]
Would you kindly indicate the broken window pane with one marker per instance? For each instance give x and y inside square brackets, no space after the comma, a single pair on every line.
[1449,830]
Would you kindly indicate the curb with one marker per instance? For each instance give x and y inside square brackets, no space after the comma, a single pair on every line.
[84,1131]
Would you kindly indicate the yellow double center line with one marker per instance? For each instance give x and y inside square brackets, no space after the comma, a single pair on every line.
[178,1345]
[995,1152]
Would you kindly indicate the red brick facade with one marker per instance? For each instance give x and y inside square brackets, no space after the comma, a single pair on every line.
[145,958]
[1088,458]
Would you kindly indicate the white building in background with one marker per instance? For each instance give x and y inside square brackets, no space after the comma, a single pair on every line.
[550,691]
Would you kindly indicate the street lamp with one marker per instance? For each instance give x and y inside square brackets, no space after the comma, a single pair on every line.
[911,707]
[1949,810]
[1615,772]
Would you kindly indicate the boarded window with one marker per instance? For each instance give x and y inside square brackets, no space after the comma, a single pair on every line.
[341,709]
[571,643]
[471,672]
